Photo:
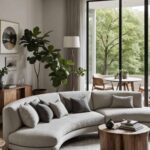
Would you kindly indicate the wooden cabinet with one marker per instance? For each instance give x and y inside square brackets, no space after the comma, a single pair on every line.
[9,95]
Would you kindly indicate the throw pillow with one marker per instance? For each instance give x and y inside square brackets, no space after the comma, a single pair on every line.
[58,109]
[34,104]
[122,102]
[67,102]
[28,115]
[79,106]
[44,112]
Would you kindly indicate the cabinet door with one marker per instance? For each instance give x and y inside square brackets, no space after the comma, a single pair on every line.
[10,96]
[28,90]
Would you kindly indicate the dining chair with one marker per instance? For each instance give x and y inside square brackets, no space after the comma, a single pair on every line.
[100,84]
[142,88]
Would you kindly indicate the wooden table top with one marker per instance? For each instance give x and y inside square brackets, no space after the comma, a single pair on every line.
[103,128]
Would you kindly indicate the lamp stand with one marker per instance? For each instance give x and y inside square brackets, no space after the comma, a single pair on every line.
[73,69]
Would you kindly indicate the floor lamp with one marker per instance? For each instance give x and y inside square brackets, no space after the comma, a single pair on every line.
[72,43]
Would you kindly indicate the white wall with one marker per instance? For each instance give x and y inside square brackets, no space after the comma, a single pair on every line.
[28,13]
[54,19]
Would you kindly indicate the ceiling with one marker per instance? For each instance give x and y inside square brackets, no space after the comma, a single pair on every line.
[115,3]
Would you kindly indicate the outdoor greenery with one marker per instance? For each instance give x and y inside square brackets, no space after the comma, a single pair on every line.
[107,41]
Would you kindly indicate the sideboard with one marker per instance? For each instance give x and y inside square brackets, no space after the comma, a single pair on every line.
[12,94]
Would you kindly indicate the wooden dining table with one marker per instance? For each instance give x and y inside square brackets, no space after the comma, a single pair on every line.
[125,82]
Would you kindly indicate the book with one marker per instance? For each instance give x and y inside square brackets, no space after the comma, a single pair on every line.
[134,127]
[129,122]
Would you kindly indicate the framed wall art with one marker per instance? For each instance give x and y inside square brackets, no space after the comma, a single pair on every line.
[8,37]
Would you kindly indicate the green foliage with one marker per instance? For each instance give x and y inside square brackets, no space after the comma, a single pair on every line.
[3,71]
[44,52]
[80,71]
[35,43]
[107,41]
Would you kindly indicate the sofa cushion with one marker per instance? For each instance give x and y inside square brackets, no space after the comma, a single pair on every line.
[67,103]
[117,114]
[45,135]
[28,115]
[49,97]
[58,108]
[122,102]
[45,113]
[103,99]
[86,95]
[79,106]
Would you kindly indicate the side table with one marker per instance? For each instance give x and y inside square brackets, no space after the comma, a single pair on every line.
[119,139]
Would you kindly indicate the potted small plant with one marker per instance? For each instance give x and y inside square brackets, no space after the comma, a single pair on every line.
[3,71]
[124,74]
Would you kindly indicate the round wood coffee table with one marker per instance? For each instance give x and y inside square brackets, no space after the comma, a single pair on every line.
[119,139]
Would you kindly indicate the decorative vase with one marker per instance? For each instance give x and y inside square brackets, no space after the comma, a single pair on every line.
[110,124]
[1,83]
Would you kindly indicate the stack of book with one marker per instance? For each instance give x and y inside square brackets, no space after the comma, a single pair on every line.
[131,125]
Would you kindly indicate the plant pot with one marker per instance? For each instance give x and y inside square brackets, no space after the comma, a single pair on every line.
[38,91]
[125,76]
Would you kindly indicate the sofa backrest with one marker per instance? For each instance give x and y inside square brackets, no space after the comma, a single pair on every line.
[103,99]
[78,95]
[11,117]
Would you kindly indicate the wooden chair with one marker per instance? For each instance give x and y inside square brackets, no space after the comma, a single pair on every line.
[99,84]
[142,89]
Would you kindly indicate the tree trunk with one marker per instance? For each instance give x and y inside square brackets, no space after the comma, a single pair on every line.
[105,72]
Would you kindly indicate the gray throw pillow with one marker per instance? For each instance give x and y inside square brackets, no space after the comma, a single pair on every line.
[59,109]
[34,104]
[45,113]
[79,106]
[122,102]
[67,102]
[28,115]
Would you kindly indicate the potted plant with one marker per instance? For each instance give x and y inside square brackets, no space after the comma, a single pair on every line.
[124,74]
[3,71]
[44,52]
[36,45]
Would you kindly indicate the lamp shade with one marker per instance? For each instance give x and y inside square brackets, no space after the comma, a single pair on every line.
[71,42]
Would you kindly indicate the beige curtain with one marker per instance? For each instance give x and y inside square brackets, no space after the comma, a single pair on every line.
[76,26]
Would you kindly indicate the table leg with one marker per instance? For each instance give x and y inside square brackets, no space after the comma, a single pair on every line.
[132,86]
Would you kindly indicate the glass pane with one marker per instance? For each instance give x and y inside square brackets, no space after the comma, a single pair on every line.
[103,40]
[133,45]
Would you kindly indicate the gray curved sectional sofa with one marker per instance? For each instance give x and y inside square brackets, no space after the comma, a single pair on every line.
[50,136]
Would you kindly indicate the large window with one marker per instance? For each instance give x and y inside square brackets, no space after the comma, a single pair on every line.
[117,43]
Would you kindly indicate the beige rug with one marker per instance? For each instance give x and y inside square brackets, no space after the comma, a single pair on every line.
[90,142]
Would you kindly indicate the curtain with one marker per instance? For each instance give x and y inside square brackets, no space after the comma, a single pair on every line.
[76,26]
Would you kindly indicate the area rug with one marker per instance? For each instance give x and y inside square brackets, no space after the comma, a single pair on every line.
[90,142]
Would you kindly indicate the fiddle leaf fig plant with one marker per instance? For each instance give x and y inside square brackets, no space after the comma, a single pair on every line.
[35,44]
[42,51]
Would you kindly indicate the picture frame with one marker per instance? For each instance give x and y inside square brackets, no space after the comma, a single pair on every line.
[8,37]
[11,63]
